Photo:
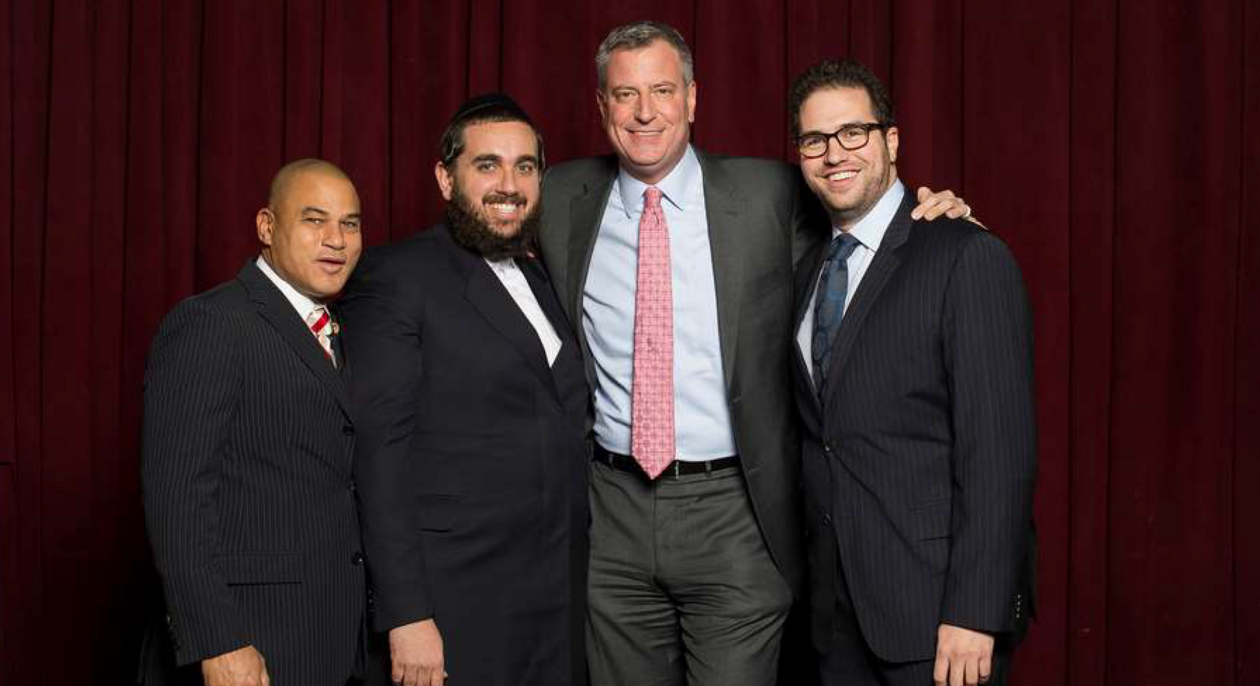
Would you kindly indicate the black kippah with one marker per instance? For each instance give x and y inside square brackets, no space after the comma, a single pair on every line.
[490,103]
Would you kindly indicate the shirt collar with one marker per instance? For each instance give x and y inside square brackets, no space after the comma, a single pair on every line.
[300,302]
[677,186]
[869,230]
[501,265]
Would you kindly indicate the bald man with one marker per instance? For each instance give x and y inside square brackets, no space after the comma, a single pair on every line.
[248,447]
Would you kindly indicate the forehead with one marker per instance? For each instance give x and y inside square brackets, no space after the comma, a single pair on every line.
[321,190]
[655,62]
[828,108]
[505,139]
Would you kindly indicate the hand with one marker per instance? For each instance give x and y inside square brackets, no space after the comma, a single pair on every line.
[963,656]
[415,650]
[241,667]
[932,205]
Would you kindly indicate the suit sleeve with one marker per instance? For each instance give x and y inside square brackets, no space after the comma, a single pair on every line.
[191,393]
[987,331]
[382,335]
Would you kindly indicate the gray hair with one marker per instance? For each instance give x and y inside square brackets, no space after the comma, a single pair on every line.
[637,35]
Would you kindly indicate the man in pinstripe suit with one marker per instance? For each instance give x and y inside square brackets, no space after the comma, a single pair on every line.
[248,447]
[914,380]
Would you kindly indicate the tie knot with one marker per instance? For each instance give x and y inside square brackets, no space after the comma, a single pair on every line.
[318,319]
[652,198]
[842,246]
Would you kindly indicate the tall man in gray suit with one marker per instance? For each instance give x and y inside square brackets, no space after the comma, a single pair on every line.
[248,447]
[913,375]
[675,267]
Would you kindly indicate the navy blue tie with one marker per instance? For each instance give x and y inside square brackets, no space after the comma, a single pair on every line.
[833,286]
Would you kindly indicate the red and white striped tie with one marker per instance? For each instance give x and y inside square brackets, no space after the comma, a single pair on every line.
[321,325]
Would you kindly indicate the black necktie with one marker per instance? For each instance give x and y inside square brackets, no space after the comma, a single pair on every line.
[833,286]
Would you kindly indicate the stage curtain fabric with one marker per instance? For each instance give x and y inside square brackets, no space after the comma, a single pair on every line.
[1111,143]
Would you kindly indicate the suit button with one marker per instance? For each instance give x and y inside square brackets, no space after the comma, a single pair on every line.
[348,429]
[356,559]
[826,520]
[350,486]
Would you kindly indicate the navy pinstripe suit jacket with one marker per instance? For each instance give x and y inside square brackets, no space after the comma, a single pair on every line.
[250,507]
[919,462]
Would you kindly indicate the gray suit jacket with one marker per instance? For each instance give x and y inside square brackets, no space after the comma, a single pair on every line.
[759,216]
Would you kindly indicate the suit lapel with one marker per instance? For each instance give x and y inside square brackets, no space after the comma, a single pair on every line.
[806,278]
[279,313]
[544,293]
[877,275]
[491,300]
[724,210]
[586,212]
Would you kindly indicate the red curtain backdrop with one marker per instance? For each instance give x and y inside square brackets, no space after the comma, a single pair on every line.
[1106,141]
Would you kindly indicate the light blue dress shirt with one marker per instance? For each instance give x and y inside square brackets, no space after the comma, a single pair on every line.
[869,231]
[702,419]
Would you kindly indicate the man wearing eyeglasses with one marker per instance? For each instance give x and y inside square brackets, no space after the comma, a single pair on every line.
[914,382]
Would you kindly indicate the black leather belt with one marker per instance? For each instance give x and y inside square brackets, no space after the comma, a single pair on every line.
[677,468]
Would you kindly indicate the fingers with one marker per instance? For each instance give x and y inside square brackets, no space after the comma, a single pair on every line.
[971,672]
[986,668]
[932,205]
[958,210]
[940,671]
[417,673]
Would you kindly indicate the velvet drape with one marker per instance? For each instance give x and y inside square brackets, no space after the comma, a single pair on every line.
[1106,140]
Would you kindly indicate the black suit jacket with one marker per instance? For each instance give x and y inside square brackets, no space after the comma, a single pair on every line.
[472,463]
[919,461]
[759,219]
[248,447]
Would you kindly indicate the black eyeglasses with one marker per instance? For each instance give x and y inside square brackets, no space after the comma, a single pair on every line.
[849,136]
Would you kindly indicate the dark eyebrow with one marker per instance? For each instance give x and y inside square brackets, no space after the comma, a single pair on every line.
[486,158]
[315,210]
[527,158]
[816,132]
[352,215]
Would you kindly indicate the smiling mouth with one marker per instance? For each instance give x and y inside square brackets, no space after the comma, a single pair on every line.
[843,175]
[332,265]
[505,210]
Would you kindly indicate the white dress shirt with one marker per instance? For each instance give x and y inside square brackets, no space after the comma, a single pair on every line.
[869,231]
[517,287]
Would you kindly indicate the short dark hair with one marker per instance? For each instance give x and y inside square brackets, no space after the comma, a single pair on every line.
[483,109]
[640,34]
[846,73]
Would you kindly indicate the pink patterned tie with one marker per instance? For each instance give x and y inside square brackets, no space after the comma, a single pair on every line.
[652,390]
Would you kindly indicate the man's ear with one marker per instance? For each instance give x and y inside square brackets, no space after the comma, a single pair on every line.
[891,136]
[601,101]
[445,181]
[691,102]
[265,220]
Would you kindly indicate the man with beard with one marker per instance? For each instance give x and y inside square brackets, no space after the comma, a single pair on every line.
[914,379]
[472,465]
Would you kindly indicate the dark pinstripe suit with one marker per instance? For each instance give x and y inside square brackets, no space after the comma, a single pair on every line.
[248,447]
[919,463]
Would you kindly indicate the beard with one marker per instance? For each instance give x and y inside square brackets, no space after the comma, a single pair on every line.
[471,229]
